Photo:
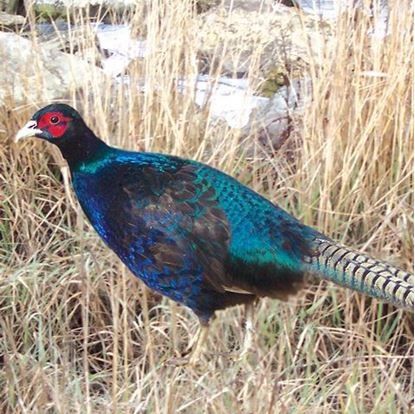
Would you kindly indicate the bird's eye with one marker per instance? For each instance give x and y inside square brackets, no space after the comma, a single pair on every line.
[54,120]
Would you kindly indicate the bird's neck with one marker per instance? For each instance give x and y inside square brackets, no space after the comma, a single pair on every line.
[81,149]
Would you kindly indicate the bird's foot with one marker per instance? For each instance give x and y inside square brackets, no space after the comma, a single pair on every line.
[192,355]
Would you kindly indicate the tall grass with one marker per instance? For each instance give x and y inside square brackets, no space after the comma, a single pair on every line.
[80,334]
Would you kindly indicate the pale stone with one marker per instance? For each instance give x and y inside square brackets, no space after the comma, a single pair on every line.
[11,20]
[35,75]
[286,36]
[85,3]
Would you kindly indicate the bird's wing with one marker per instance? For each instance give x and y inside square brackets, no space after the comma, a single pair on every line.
[268,245]
[168,222]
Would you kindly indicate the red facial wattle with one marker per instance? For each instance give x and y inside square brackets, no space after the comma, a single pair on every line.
[55,123]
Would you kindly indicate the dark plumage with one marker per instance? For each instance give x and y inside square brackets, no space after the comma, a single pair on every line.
[196,234]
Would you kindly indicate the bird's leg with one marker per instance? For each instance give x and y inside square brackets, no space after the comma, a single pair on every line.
[174,335]
[249,329]
[192,353]
[198,346]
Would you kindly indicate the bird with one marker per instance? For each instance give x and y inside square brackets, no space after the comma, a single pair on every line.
[197,235]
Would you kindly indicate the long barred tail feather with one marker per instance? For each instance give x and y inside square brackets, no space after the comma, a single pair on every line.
[359,272]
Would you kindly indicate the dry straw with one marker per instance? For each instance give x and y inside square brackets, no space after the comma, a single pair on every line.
[79,334]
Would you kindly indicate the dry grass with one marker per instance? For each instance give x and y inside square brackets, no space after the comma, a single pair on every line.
[80,334]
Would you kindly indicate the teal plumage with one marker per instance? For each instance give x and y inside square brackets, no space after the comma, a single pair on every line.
[196,234]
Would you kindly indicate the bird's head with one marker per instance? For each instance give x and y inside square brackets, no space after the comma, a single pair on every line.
[63,126]
[54,123]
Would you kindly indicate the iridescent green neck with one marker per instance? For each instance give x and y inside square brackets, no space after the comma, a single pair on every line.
[95,162]
[84,151]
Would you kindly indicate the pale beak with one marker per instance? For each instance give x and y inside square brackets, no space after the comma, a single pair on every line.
[29,130]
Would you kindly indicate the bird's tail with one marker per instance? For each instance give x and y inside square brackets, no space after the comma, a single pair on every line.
[359,272]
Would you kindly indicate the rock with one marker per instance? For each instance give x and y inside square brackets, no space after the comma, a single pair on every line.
[68,38]
[120,48]
[274,122]
[115,4]
[36,75]
[203,6]
[110,47]
[249,5]
[283,37]
[327,9]
[47,10]
[12,6]
[378,11]
[229,99]
[11,20]
[54,7]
